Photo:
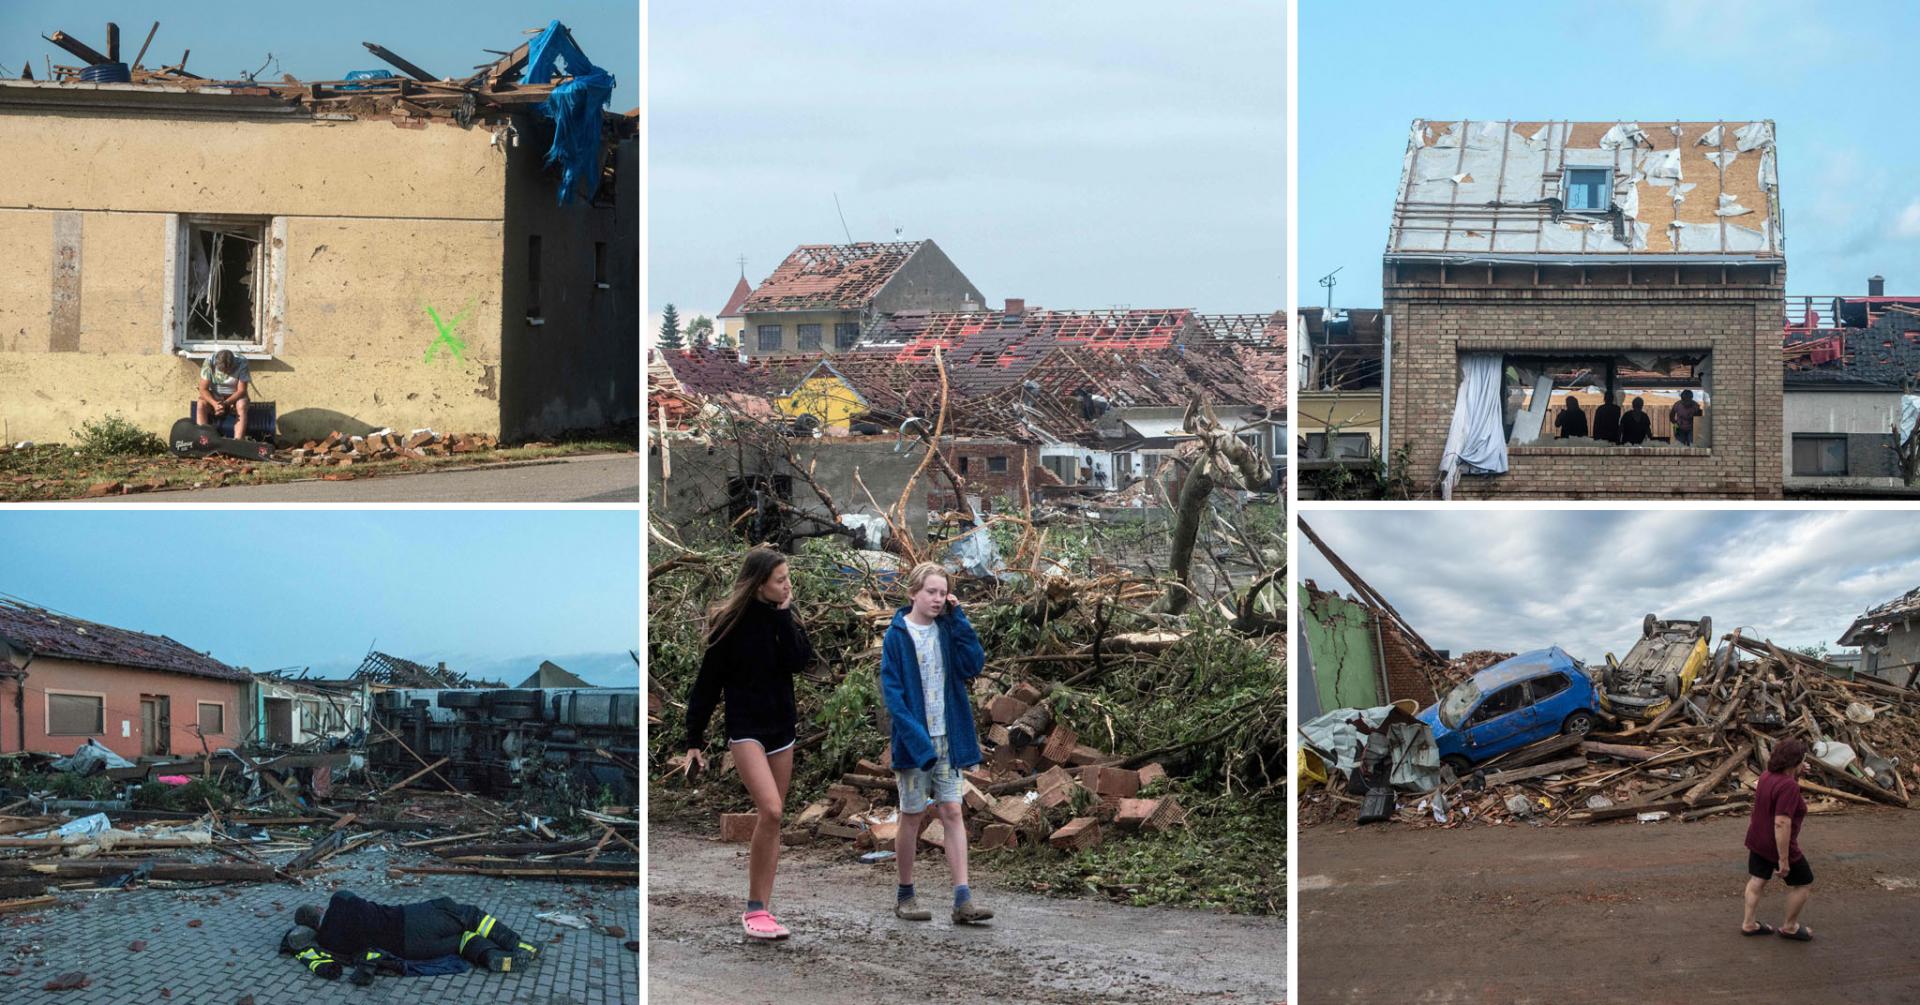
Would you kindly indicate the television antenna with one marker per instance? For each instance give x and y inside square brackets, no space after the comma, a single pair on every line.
[1330,282]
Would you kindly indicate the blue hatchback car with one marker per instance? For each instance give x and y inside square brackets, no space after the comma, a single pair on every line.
[1510,704]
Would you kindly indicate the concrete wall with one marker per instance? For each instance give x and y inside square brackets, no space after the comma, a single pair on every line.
[1436,320]
[1346,658]
[120,688]
[1866,417]
[1895,663]
[380,223]
[579,368]
[929,281]
[790,322]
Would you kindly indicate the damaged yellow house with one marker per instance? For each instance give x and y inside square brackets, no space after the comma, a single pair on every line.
[381,259]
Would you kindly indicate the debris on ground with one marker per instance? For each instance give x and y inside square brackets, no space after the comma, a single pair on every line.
[1699,757]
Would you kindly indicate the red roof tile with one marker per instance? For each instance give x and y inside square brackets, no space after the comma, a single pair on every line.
[45,633]
[741,290]
[830,276]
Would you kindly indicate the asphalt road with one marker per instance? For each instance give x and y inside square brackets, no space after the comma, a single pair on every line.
[595,478]
[1616,912]
[847,946]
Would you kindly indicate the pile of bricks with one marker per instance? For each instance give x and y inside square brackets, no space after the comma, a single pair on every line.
[1031,789]
[341,450]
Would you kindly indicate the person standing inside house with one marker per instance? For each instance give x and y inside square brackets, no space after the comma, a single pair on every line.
[1773,842]
[754,647]
[1572,422]
[927,657]
[223,388]
[1683,413]
[1606,419]
[1636,425]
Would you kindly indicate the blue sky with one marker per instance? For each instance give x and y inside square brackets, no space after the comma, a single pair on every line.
[1076,155]
[322,41]
[1582,579]
[490,592]
[1829,75]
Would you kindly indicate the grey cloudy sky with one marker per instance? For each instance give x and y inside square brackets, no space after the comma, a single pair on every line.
[1075,154]
[1515,580]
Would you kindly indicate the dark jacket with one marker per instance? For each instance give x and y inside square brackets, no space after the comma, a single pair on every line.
[353,925]
[753,664]
[1606,423]
[907,701]
[1572,421]
[1635,426]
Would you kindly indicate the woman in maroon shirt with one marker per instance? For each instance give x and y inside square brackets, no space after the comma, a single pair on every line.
[1777,813]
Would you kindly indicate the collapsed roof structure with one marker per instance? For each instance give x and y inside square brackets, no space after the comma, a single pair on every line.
[1514,190]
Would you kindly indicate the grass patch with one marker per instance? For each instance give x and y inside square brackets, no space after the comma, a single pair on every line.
[1231,856]
[115,436]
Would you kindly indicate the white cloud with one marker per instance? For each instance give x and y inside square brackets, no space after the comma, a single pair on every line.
[1908,225]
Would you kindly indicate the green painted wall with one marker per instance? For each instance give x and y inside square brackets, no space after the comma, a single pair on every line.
[1346,664]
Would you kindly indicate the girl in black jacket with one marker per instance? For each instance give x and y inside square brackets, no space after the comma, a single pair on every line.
[754,647]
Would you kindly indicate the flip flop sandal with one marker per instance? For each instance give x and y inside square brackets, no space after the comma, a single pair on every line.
[1801,934]
[1764,929]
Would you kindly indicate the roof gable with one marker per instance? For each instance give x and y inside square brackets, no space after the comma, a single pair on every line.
[741,291]
[830,276]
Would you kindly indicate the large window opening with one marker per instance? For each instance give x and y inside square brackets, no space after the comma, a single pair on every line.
[223,276]
[1608,399]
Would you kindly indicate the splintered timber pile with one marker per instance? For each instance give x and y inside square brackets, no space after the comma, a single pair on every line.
[1703,754]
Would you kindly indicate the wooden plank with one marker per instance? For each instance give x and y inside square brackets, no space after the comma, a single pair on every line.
[77,47]
[1535,752]
[1536,771]
[398,63]
[10,906]
[1628,810]
[430,842]
[1622,752]
[143,46]
[402,783]
[618,872]
[1718,774]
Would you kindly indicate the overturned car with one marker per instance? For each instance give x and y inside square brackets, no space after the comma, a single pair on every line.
[1659,668]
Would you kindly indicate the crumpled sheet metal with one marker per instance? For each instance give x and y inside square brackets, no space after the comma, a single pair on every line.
[1409,745]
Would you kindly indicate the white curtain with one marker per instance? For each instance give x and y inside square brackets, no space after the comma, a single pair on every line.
[1909,414]
[1477,439]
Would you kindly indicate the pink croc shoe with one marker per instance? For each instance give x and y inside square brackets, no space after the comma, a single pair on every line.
[761,925]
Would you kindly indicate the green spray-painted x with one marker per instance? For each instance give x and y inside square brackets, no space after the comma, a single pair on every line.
[454,345]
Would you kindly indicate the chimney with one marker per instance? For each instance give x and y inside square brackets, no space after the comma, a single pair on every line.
[1876,286]
[1016,306]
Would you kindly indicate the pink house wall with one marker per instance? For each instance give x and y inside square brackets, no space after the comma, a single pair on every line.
[121,689]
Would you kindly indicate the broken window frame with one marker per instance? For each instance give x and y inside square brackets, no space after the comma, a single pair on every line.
[1344,444]
[845,334]
[1814,439]
[99,702]
[185,311]
[1603,189]
[809,336]
[1519,370]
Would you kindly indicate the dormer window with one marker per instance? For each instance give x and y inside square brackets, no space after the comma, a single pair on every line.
[1589,190]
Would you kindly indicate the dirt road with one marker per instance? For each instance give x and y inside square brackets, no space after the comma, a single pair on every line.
[1610,912]
[607,478]
[848,947]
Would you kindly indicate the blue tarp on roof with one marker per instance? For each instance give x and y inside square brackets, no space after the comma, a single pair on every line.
[574,107]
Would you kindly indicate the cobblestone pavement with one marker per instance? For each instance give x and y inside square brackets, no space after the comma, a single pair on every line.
[231,953]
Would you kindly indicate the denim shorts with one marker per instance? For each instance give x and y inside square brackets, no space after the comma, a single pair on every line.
[938,784]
